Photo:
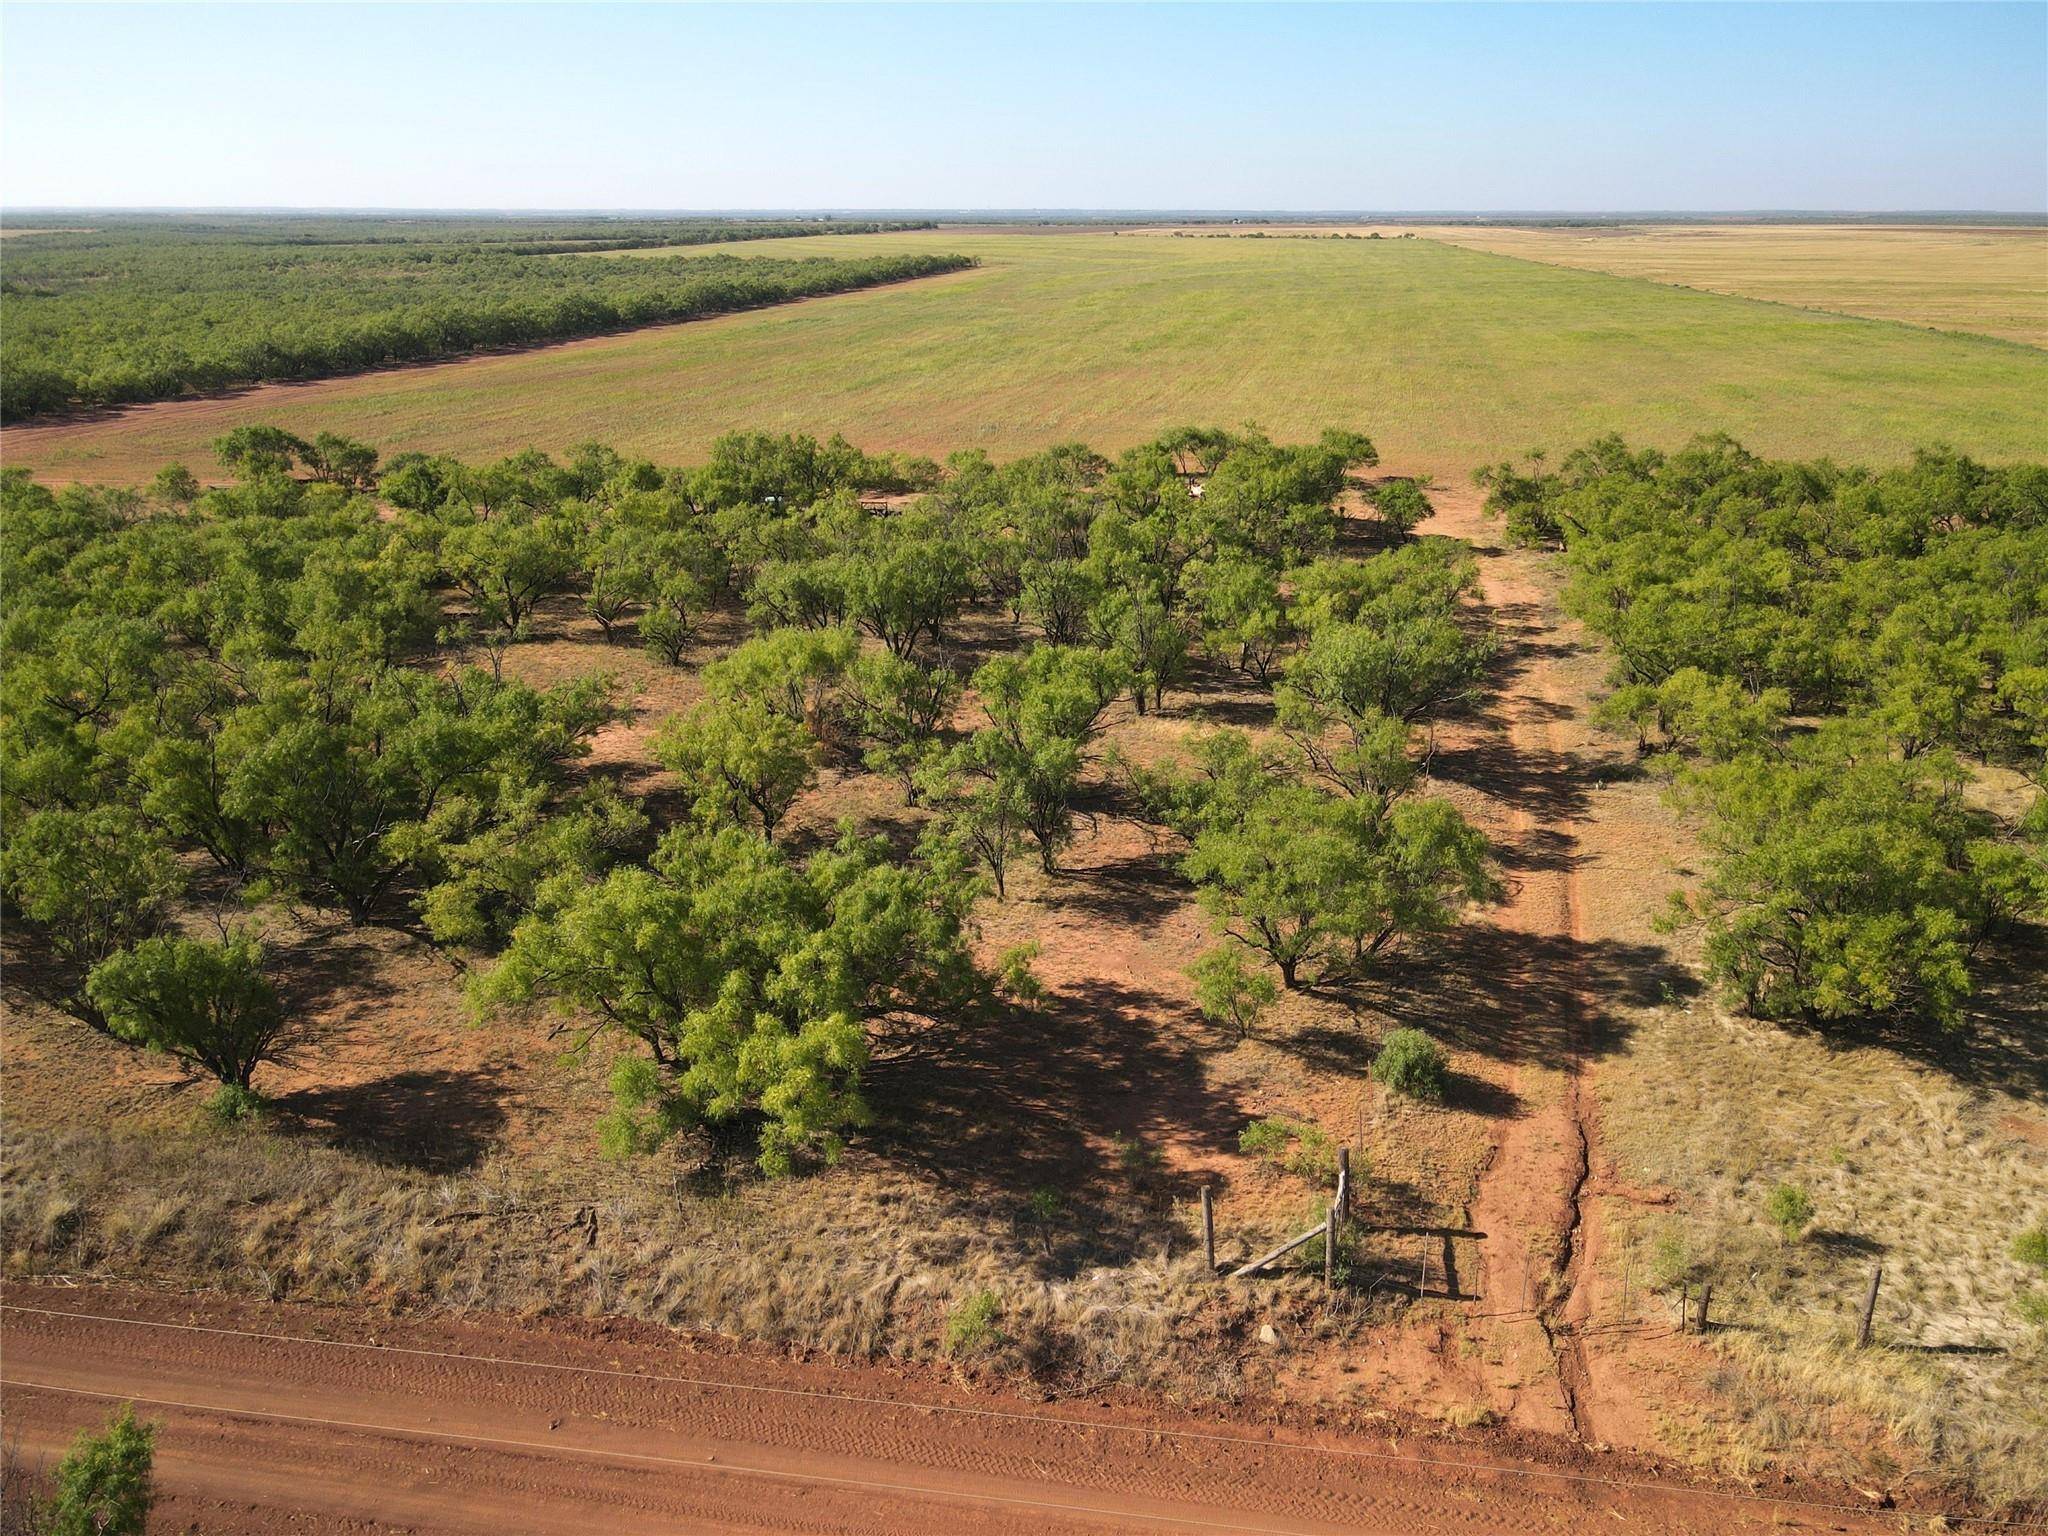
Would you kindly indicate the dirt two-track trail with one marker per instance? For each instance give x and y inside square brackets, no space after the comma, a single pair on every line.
[306,1419]
[1536,1269]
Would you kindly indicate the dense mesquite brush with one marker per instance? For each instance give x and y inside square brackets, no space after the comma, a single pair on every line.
[1848,671]
[300,679]
[143,309]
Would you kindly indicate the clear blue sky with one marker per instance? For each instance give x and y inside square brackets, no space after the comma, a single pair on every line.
[1382,107]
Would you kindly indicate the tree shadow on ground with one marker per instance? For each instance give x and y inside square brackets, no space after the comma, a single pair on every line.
[1523,997]
[1245,712]
[1552,787]
[1325,1047]
[1496,1101]
[1360,532]
[1141,889]
[977,634]
[2002,1043]
[430,1121]
[327,961]
[1982,1350]
[1216,693]
[1020,1101]
[1525,636]
[31,972]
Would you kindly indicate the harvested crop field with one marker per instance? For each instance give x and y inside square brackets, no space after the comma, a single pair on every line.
[1990,280]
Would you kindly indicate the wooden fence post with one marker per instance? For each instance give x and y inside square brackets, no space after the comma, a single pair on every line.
[1869,1307]
[1209,1224]
[1300,1240]
[1343,1183]
[1706,1301]
[1330,1246]
[1684,1296]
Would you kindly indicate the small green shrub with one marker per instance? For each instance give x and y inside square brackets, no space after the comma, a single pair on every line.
[1044,1206]
[103,1482]
[1411,1063]
[1312,1251]
[1790,1207]
[1017,981]
[1229,992]
[1670,1259]
[2031,1246]
[1133,1157]
[232,1104]
[1266,1138]
[1303,1150]
[971,1326]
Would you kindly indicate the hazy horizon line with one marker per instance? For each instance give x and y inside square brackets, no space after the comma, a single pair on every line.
[849,211]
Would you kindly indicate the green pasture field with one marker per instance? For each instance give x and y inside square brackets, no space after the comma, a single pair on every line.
[1448,357]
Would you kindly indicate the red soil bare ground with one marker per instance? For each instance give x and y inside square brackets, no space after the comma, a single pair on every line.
[487,1428]
[1531,1329]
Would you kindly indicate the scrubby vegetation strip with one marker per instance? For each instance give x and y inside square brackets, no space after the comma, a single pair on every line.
[146,311]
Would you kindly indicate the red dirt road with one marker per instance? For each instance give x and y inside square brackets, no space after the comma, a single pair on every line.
[319,1420]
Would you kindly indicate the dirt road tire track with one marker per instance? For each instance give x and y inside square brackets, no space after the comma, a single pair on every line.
[475,1427]
[1530,1197]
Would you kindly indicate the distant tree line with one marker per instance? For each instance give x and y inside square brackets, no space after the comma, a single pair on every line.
[601,233]
[106,319]
[1847,671]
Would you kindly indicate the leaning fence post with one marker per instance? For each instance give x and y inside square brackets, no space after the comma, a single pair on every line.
[1869,1307]
[1330,1245]
[1684,1296]
[1343,1183]
[1209,1223]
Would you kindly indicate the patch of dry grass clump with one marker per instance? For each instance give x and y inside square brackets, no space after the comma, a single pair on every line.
[1920,1166]
[866,1261]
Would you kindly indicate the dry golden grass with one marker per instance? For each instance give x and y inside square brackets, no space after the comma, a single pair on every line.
[1989,280]
[867,1262]
[1922,1166]
[1992,280]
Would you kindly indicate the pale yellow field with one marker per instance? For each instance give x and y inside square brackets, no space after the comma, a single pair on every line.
[1990,280]
[1993,281]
